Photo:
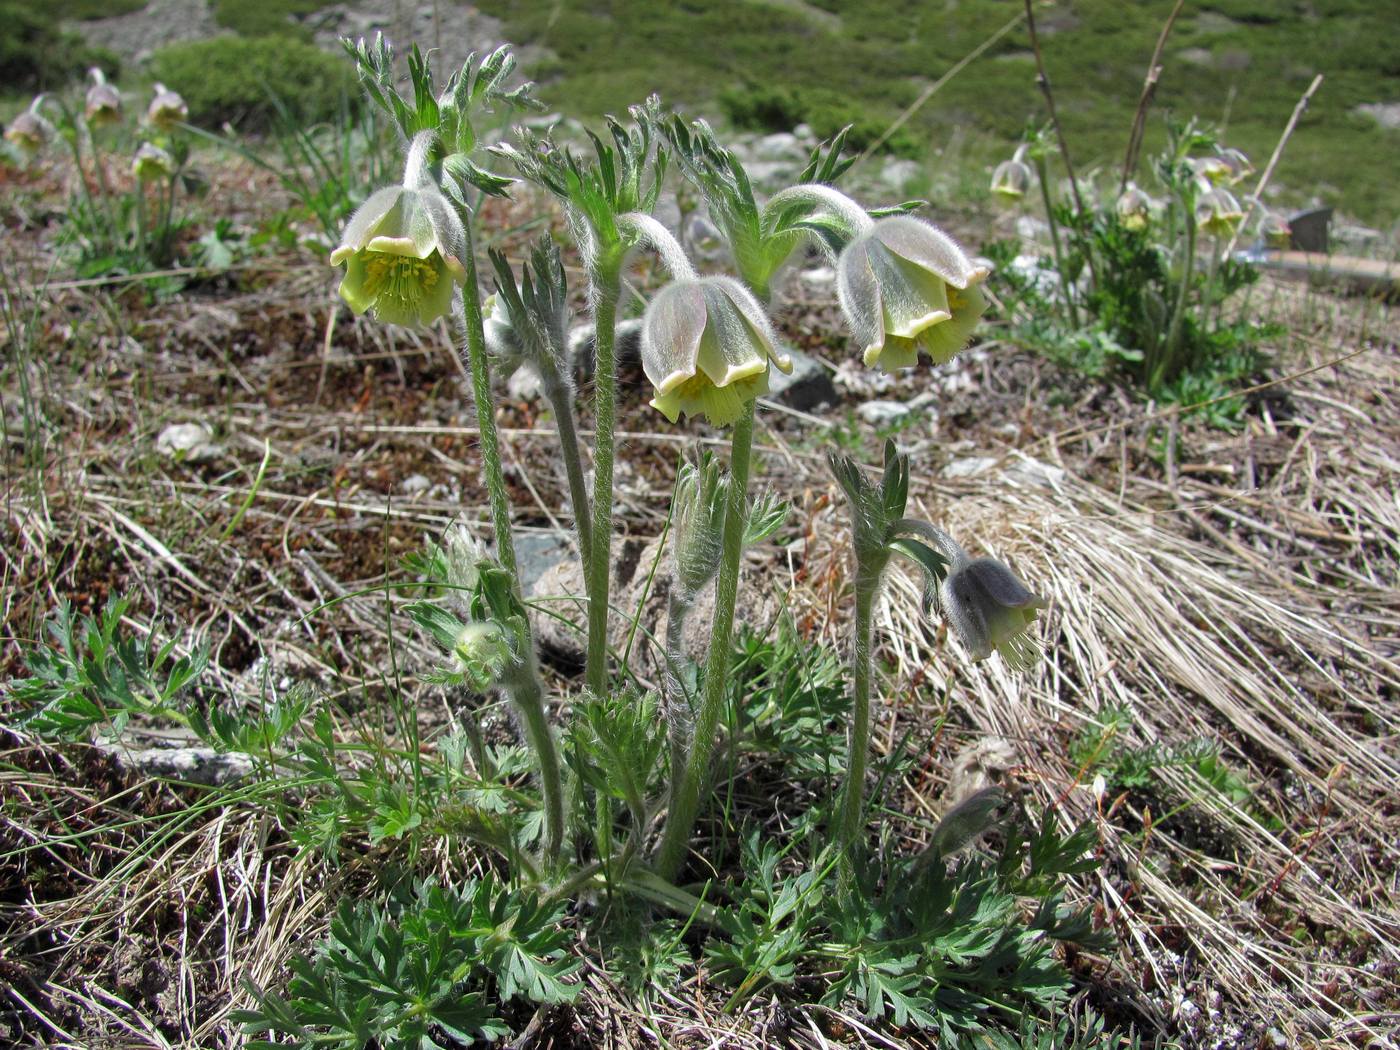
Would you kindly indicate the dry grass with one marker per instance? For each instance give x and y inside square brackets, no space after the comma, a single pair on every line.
[1240,588]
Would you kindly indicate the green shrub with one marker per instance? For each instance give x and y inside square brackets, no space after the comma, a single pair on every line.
[264,17]
[36,55]
[767,108]
[236,80]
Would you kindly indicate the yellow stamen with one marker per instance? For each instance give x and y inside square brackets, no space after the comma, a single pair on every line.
[400,278]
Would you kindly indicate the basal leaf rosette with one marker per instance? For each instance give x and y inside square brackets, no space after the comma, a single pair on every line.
[706,347]
[906,285]
[402,252]
[991,610]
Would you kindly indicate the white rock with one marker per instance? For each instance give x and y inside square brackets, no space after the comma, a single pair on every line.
[883,413]
[969,467]
[415,484]
[188,443]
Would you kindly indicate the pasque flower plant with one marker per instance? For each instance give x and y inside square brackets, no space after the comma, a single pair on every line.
[708,344]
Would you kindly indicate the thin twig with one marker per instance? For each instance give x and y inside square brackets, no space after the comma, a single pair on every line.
[1149,89]
[1043,80]
[1258,195]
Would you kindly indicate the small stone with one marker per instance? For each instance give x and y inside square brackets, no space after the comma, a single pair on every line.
[780,146]
[1034,472]
[901,173]
[820,277]
[883,413]
[970,467]
[188,443]
[415,484]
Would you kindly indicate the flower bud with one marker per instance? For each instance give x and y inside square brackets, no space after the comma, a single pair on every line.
[103,105]
[706,346]
[480,653]
[698,525]
[905,285]
[1134,208]
[152,163]
[167,109]
[991,610]
[1011,179]
[403,250]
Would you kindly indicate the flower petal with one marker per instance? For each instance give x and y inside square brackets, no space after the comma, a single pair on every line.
[859,293]
[927,246]
[671,331]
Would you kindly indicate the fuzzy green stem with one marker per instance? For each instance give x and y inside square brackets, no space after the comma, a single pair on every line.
[526,693]
[1169,354]
[561,402]
[1043,177]
[680,713]
[607,285]
[853,798]
[470,322]
[686,784]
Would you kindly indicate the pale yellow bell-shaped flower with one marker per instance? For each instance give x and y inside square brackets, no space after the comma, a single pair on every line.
[403,251]
[103,105]
[1011,179]
[905,285]
[706,347]
[1133,208]
[167,109]
[152,163]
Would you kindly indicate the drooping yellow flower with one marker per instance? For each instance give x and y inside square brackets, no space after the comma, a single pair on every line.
[1134,208]
[905,285]
[29,131]
[991,610]
[167,109]
[152,163]
[706,347]
[1217,212]
[103,105]
[402,251]
[1011,179]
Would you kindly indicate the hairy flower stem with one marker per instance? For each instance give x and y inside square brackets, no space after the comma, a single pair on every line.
[687,783]
[1043,177]
[680,712]
[1169,354]
[561,403]
[523,685]
[853,798]
[468,317]
[607,284]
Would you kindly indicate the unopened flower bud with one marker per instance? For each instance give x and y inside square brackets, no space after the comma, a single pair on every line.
[481,652]
[698,525]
